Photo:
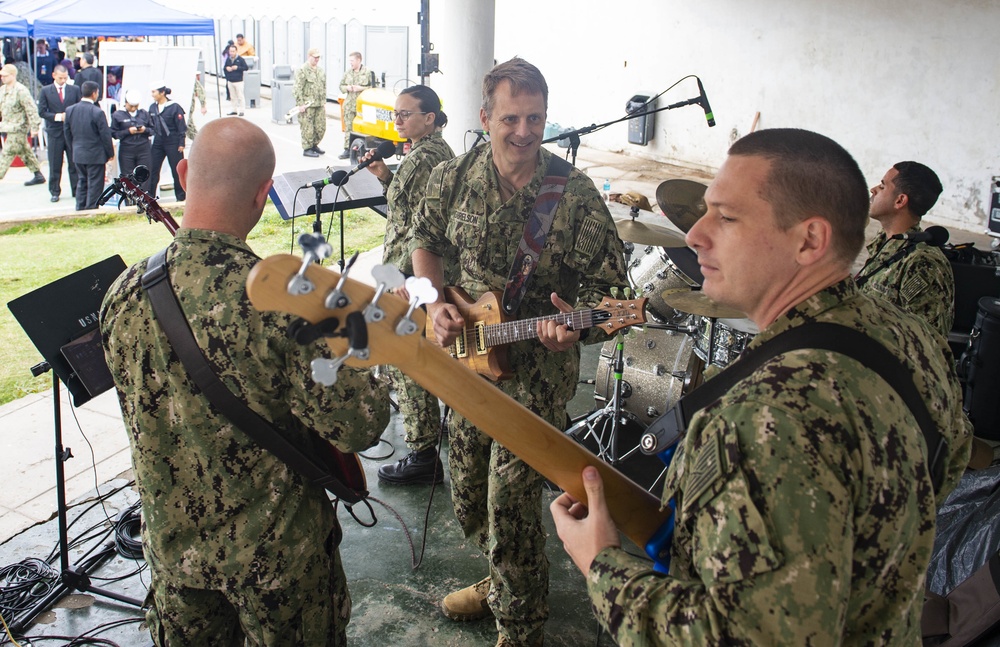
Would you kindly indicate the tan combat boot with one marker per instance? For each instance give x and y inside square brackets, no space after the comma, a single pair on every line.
[469,603]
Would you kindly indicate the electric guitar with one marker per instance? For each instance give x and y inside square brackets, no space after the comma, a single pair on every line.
[387,331]
[482,345]
[345,467]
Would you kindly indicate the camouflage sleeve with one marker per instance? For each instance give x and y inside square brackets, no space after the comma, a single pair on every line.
[927,290]
[299,87]
[351,414]
[430,222]
[736,578]
[199,91]
[344,82]
[30,110]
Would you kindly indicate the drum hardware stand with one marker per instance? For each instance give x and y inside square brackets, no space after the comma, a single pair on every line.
[612,411]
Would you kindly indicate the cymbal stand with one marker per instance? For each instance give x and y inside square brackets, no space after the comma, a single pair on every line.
[611,413]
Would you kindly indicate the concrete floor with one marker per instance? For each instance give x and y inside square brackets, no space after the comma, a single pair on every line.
[393,604]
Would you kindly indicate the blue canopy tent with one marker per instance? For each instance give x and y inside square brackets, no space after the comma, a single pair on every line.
[12,26]
[106,18]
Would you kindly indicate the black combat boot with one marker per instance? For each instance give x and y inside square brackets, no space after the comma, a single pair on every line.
[416,468]
[38,179]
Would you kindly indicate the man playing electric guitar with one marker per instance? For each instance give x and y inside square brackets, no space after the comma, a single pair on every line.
[239,544]
[806,494]
[480,203]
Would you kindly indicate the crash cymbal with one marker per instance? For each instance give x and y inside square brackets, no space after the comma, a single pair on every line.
[697,303]
[682,201]
[633,231]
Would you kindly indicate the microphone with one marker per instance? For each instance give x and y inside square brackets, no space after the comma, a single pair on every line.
[934,236]
[338,178]
[703,100]
[385,149]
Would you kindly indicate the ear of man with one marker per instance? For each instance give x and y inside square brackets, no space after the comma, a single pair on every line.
[816,241]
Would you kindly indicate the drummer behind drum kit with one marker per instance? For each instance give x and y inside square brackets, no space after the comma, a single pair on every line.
[643,374]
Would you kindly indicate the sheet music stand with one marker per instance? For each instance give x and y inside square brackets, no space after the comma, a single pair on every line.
[61,319]
[362,190]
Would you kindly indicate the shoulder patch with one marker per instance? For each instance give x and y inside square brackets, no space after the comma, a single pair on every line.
[591,236]
[706,469]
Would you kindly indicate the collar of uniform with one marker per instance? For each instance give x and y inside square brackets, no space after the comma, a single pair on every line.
[425,139]
[881,243]
[535,182]
[209,236]
[811,309]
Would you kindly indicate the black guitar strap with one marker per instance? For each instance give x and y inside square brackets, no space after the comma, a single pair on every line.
[670,427]
[156,283]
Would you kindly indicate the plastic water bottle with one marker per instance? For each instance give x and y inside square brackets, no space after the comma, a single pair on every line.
[607,189]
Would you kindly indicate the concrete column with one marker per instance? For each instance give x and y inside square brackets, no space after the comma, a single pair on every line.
[463,35]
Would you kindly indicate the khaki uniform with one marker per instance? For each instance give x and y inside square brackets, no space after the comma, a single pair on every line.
[310,91]
[805,510]
[361,77]
[199,94]
[18,118]
[404,193]
[229,528]
[921,283]
[497,497]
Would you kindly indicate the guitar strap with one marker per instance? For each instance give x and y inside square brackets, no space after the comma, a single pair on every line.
[156,283]
[535,230]
[821,336]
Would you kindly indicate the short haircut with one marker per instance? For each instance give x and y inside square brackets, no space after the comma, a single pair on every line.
[812,175]
[89,88]
[239,35]
[60,68]
[428,101]
[356,55]
[89,58]
[920,185]
[523,77]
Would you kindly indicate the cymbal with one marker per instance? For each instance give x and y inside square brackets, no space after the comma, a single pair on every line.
[697,303]
[682,201]
[634,231]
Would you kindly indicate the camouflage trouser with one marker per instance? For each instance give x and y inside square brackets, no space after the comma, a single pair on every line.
[350,111]
[312,123]
[420,410]
[17,144]
[312,610]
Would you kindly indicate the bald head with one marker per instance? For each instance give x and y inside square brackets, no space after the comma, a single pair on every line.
[222,195]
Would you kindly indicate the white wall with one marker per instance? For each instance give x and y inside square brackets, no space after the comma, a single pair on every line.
[890,80]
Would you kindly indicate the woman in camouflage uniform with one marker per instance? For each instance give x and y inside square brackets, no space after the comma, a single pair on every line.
[418,117]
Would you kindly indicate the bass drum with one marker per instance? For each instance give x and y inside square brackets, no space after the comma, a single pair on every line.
[659,367]
[653,273]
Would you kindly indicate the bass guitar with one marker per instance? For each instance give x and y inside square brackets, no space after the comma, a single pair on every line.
[373,326]
[482,346]
[344,467]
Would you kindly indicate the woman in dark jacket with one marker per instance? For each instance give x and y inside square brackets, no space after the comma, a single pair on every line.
[169,128]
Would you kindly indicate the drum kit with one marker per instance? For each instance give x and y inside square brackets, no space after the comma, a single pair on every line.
[644,373]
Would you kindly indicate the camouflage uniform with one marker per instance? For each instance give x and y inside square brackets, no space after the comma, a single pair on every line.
[805,508]
[921,283]
[229,528]
[404,192]
[18,118]
[361,77]
[198,93]
[497,498]
[310,91]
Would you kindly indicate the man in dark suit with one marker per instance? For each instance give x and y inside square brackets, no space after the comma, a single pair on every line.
[52,105]
[89,137]
[90,73]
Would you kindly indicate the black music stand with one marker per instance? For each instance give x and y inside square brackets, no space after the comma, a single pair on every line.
[293,197]
[61,319]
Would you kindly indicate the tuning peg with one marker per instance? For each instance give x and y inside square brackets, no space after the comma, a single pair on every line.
[337,298]
[324,371]
[386,277]
[314,249]
[421,292]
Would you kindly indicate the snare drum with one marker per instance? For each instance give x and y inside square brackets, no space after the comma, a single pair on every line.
[720,341]
[653,273]
[659,368]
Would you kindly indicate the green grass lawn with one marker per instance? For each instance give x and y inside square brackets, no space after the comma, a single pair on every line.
[37,253]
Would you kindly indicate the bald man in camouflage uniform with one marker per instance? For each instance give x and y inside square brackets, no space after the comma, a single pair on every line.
[921,282]
[354,82]
[479,203]
[239,544]
[805,504]
[310,96]
[18,118]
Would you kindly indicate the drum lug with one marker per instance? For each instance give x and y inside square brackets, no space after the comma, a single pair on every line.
[659,370]
[652,412]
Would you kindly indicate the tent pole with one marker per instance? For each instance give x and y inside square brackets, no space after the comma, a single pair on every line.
[215,55]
